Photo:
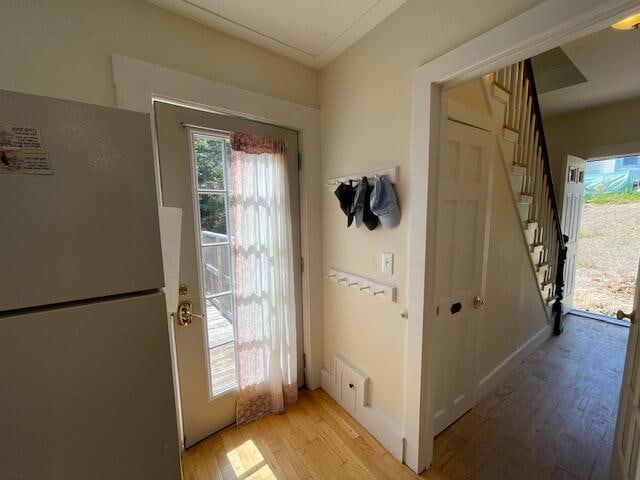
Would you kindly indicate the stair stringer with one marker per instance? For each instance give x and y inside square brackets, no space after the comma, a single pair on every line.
[506,153]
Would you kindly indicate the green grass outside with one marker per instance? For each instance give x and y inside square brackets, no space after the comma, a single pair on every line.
[614,198]
[587,234]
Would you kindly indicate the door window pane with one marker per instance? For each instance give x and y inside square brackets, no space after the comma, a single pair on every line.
[213,218]
[219,321]
[216,270]
[211,154]
[209,161]
[221,344]
[223,368]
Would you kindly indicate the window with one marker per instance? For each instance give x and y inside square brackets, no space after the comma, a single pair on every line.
[211,154]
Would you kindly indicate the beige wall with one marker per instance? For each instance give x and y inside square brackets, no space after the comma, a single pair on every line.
[472,95]
[63,49]
[513,311]
[366,118]
[612,129]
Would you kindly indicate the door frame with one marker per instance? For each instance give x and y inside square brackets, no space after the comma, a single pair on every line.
[545,26]
[563,212]
[139,84]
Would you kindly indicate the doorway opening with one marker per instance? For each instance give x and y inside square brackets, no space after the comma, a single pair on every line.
[542,416]
[609,237]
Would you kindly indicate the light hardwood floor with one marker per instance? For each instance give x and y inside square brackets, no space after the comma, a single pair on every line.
[314,439]
[553,418]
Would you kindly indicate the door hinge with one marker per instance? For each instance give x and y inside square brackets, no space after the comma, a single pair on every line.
[299,161]
[301,264]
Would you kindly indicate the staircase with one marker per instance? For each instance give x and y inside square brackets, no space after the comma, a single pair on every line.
[527,160]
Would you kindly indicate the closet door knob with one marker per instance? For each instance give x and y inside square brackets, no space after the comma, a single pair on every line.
[477,302]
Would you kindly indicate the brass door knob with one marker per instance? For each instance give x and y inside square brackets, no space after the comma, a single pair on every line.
[621,315]
[477,302]
[184,315]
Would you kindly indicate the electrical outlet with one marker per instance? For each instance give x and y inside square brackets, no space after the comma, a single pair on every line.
[387,263]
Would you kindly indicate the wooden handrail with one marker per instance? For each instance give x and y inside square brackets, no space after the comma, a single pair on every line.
[523,115]
[562,250]
[535,107]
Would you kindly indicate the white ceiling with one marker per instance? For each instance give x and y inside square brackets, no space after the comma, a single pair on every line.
[610,61]
[312,32]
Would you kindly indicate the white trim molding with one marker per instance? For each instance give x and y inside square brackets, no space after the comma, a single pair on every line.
[498,374]
[368,19]
[548,25]
[375,422]
[138,83]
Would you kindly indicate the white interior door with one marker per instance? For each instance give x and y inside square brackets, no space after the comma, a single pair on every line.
[626,447]
[462,223]
[193,151]
[574,172]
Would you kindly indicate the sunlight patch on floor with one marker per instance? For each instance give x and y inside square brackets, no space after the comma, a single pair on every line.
[248,463]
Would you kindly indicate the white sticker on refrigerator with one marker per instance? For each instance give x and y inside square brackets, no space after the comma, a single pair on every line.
[18,161]
[21,137]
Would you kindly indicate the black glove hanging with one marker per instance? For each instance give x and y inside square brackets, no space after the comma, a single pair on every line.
[361,205]
[345,194]
[370,219]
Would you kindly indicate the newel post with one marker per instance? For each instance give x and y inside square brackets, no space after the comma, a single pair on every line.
[557,306]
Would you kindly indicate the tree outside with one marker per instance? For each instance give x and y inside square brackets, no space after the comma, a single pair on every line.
[210,160]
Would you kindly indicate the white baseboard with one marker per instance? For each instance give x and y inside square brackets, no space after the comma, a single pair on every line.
[381,427]
[498,374]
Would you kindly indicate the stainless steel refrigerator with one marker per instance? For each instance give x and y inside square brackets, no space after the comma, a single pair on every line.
[86,389]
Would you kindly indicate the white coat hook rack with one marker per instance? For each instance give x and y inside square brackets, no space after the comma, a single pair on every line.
[365,285]
[391,173]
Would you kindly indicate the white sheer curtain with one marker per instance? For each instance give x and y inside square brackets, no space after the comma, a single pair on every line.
[264,285]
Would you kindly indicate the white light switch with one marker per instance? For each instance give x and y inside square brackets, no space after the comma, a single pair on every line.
[387,263]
